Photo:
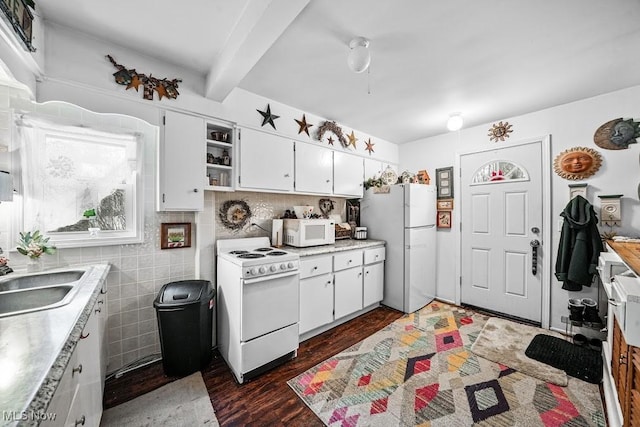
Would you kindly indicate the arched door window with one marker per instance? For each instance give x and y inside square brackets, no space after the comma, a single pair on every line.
[497,171]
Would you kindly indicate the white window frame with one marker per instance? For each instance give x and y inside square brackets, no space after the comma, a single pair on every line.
[134,233]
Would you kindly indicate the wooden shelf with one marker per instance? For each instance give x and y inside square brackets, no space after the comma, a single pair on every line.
[219,144]
[216,166]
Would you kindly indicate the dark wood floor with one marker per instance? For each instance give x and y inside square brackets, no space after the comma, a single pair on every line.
[267,399]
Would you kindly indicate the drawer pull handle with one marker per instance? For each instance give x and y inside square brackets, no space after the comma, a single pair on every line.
[613,302]
[78,370]
[81,421]
[100,302]
[103,291]
[97,310]
[84,336]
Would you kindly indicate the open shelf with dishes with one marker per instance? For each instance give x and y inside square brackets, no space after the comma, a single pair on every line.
[220,160]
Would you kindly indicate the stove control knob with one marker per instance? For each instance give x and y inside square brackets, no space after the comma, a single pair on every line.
[290,265]
[252,272]
[273,268]
[283,266]
[262,270]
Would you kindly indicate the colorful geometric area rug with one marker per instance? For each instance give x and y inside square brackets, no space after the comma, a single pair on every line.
[419,371]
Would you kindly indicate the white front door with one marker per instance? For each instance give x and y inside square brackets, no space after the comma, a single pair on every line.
[501,214]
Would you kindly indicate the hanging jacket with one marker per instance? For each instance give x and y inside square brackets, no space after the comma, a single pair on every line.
[580,245]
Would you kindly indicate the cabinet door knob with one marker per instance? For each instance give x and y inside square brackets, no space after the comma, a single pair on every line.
[328,180]
[81,421]
[195,190]
[78,370]
[286,175]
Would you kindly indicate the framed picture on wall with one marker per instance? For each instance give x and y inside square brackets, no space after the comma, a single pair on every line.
[175,235]
[444,182]
[444,219]
[445,204]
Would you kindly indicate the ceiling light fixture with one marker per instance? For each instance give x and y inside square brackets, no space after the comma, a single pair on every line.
[359,56]
[455,122]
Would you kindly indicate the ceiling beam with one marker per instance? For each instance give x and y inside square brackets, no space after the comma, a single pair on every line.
[260,25]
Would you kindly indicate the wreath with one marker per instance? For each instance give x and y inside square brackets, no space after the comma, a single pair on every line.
[234,214]
[332,127]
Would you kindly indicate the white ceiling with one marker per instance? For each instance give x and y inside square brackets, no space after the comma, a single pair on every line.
[489,59]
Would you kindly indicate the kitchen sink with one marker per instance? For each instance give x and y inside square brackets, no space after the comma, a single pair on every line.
[40,280]
[34,299]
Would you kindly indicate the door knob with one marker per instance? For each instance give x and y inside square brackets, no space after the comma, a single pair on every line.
[534,255]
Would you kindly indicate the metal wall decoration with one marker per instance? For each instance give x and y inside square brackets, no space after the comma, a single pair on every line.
[370,145]
[617,134]
[577,163]
[333,128]
[304,126]
[352,139]
[234,214]
[132,79]
[267,117]
[500,131]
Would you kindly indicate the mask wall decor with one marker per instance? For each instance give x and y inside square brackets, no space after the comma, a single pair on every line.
[577,163]
[617,134]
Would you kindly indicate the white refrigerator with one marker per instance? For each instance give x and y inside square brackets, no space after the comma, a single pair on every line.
[405,218]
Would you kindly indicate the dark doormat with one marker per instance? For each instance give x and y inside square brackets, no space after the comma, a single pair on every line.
[579,362]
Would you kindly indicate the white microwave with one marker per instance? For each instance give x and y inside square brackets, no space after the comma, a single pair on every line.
[309,232]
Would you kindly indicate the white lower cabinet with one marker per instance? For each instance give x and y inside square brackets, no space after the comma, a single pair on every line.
[78,398]
[348,292]
[347,267]
[316,292]
[373,280]
[373,284]
[333,286]
[316,302]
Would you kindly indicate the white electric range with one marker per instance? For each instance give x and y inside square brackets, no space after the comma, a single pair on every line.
[258,305]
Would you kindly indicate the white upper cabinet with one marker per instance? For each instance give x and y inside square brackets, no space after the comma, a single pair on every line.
[348,175]
[181,169]
[266,161]
[314,169]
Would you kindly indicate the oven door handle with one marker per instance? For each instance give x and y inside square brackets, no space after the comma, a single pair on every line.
[270,277]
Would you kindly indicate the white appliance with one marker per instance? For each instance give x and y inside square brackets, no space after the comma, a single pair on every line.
[404,218]
[309,232]
[625,303]
[258,305]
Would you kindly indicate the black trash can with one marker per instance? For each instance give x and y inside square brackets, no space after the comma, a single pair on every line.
[185,321]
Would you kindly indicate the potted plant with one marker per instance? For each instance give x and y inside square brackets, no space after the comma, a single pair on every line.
[93,228]
[34,245]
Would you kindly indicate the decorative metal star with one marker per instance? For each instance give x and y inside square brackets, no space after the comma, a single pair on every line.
[330,140]
[352,139]
[267,117]
[135,82]
[369,146]
[304,126]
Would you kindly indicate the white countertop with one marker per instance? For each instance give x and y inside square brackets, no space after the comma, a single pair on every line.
[35,348]
[339,246]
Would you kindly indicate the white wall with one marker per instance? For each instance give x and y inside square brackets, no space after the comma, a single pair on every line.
[78,72]
[569,125]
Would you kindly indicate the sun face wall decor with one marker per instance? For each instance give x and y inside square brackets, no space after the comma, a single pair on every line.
[500,131]
[577,163]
